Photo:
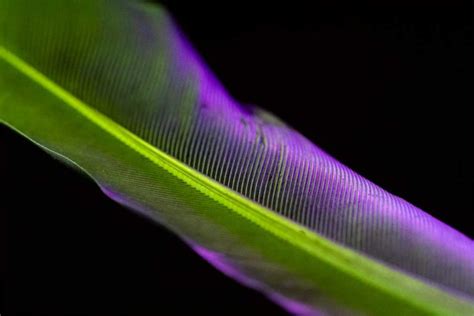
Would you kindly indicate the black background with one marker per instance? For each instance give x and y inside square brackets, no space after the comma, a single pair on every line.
[385,88]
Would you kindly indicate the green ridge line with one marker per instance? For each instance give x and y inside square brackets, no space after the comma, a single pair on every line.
[296,235]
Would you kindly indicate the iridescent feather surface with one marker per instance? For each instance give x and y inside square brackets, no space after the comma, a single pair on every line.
[113,88]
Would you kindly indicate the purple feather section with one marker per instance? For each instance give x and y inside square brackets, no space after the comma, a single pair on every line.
[255,154]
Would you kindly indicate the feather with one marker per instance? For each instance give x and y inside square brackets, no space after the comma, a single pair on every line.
[114,89]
